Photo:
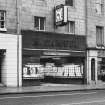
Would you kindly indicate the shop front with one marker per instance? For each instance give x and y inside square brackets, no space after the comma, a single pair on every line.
[101,65]
[52,57]
[10,60]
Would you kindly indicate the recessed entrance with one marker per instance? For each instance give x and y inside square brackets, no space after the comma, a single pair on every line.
[93,69]
[1,63]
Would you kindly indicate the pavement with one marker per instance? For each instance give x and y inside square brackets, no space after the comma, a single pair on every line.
[49,87]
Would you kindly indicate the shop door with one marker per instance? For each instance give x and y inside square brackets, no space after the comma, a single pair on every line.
[0,67]
[93,69]
[1,63]
[1,57]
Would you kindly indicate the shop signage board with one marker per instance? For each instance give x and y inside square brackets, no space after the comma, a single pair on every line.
[63,53]
[56,53]
[61,16]
[48,40]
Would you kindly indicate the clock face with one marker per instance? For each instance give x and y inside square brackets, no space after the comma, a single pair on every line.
[59,14]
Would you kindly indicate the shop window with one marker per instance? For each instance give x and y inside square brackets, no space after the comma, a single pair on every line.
[2,20]
[99,7]
[39,23]
[71,27]
[69,2]
[99,36]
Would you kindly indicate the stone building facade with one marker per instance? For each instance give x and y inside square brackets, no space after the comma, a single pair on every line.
[45,8]
[73,49]
[10,44]
[95,32]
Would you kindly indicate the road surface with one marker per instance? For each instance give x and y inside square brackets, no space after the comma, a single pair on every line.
[57,98]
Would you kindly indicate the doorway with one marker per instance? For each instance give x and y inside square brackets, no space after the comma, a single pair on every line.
[93,69]
[0,67]
[1,63]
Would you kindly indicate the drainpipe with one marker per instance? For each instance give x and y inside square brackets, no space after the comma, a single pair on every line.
[18,33]
[18,16]
[86,16]
[86,33]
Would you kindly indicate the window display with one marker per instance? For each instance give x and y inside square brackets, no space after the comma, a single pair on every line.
[32,70]
[56,68]
[70,70]
[101,69]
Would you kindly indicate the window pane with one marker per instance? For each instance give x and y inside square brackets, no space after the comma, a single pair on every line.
[42,23]
[69,2]
[99,6]
[99,36]
[2,15]
[2,19]
[2,24]
[71,27]
[36,23]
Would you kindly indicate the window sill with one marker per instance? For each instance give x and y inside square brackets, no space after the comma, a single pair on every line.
[71,33]
[3,29]
[39,30]
[69,6]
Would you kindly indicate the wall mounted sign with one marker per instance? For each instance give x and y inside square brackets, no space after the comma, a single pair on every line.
[48,40]
[61,16]
[56,53]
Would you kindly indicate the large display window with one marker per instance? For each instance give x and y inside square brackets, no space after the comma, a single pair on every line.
[63,67]
[101,69]
[60,68]
[65,71]
[32,69]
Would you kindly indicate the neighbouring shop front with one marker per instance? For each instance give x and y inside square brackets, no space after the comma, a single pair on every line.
[10,60]
[52,58]
[101,65]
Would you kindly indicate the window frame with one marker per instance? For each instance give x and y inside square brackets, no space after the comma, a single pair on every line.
[67,2]
[69,27]
[4,20]
[99,5]
[39,23]
[100,38]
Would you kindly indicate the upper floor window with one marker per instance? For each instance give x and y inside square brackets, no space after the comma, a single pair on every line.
[99,36]
[2,20]
[69,2]
[99,7]
[71,27]
[39,23]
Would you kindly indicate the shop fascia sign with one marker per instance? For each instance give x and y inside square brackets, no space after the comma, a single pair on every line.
[61,15]
[56,53]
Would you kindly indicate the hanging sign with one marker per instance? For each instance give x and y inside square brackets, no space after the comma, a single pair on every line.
[61,15]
